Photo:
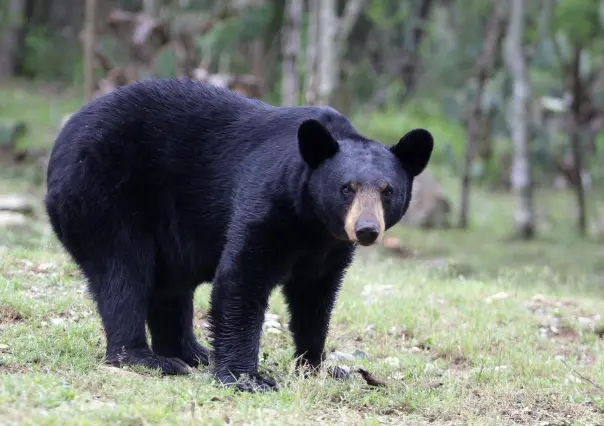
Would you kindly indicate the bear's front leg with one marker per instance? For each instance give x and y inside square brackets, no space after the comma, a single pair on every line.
[247,274]
[311,296]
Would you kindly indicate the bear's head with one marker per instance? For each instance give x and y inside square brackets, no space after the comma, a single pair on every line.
[360,188]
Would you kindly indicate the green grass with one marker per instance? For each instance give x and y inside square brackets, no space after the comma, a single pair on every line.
[472,329]
[41,106]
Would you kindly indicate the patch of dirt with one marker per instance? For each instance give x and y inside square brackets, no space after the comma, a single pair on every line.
[10,315]
[562,333]
[541,306]
[64,317]
[547,411]
[555,316]
[455,359]
[14,369]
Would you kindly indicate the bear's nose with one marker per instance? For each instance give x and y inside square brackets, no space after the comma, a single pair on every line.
[367,233]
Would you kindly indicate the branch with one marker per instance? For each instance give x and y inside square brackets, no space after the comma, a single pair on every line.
[585,379]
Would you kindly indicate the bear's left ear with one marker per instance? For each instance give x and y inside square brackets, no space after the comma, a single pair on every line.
[315,143]
[414,150]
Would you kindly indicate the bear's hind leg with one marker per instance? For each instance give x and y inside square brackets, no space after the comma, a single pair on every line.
[170,322]
[121,283]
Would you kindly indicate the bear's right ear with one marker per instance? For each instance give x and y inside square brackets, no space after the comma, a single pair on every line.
[315,142]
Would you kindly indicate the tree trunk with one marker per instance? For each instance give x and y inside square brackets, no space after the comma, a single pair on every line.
[575,135]
[311,91]
[9,48]
[411,57]
[89,49]
[345,25]
[291,48]
[151,7]
[491,44]
[327,54]
[521,165]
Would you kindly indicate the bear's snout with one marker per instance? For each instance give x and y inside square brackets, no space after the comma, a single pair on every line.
[364,221]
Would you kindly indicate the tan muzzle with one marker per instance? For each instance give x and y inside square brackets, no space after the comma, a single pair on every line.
[364,222]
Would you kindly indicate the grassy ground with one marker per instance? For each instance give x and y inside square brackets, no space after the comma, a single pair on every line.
[470,329]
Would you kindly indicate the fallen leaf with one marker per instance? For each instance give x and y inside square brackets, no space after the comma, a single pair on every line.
[370,379]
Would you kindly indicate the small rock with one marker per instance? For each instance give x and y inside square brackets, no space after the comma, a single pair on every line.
[415,350]
[431,368]
[341,356]
[392,361]
[273,330]
[497,296]
[381,290]
[358,354]
[495,369]
[27,263]
[370,328]
[10,219]
[120,371]
[344,368]
[57,321]
[397,376]
[46,267]
[573,379]
[16,204]
[3,346]
[586,323]
[271,323]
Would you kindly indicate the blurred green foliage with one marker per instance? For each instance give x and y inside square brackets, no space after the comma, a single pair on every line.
[371,88]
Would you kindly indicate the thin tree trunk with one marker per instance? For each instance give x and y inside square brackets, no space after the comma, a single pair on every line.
[312,73]
[345,26]
[89,49]
[9,49]
[291,49]
[492,41]
[411,57]
[575,134]
[327,36]
[328,22]
[521,177]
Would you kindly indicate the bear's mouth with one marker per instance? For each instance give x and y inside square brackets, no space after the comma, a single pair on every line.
[367,244]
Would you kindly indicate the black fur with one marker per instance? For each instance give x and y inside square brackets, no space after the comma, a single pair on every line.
[165,184]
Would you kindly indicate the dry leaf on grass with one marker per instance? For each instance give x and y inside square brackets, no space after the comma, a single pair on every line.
[370,379]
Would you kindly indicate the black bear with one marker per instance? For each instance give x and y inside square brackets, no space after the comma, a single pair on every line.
[165,184]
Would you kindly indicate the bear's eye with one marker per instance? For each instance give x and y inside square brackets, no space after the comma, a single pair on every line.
[387,191]
[347,189]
